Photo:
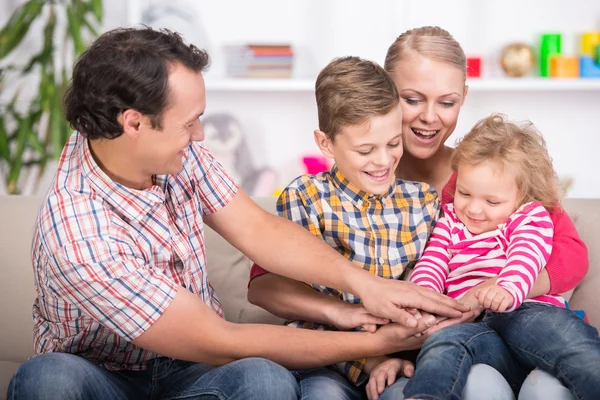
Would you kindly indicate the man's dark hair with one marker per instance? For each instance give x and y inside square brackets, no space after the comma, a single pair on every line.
[126,68]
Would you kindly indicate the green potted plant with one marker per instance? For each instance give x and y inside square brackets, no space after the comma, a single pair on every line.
[32,125]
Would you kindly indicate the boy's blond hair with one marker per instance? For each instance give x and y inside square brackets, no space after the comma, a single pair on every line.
[520,147]
[350,91]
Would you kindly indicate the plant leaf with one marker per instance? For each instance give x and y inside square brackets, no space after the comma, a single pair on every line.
[18,25]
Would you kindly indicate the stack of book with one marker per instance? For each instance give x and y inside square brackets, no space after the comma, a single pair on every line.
[259,61]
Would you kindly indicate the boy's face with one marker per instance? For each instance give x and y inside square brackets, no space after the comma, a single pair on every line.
[486,195]
[367,154]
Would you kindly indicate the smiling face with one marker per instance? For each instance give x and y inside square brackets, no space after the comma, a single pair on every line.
[431,94]
[486,195]
[161,151]
[367,154]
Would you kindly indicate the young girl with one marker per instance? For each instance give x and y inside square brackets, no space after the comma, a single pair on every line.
[500,226]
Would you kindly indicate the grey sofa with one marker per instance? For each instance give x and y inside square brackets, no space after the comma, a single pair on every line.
[228,272]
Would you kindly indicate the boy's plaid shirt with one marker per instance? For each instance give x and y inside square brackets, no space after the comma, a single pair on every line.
[384,234]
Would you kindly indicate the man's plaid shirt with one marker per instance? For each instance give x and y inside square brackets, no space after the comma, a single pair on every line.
[384,234]
[108,259]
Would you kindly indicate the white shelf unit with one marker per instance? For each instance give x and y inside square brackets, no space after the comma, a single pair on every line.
[475,84]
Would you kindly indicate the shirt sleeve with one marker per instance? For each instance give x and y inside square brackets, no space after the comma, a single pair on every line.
[106,281]
[215,187]
[294,204]
[432,269]
[529,233]
[569,262]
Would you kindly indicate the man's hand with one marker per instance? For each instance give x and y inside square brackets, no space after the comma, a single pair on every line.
[383,372]
[347,316]
[494,298]
[388,298]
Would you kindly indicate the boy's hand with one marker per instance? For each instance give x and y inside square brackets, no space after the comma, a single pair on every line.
[347,316]
[388,298]
[494,298]
[383,372]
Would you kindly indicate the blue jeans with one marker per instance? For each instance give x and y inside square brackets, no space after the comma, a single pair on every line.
[327,384]
[537,335]
[447,356]
[554,340]
[67,376]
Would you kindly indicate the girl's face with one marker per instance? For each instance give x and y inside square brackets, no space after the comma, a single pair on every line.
[431,94]
[486,195]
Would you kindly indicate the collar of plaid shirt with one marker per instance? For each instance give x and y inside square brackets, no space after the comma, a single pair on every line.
[353,193]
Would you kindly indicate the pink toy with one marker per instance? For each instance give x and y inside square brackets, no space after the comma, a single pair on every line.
[315,164]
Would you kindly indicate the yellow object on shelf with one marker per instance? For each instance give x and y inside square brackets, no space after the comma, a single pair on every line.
[589,40]
[564,67]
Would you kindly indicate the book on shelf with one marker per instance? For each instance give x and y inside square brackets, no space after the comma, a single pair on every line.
[259,60]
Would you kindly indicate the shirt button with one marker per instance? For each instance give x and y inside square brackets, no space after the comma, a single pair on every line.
[380,260]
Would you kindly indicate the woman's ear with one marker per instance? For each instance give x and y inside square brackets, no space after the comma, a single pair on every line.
[465,92]
[324,143]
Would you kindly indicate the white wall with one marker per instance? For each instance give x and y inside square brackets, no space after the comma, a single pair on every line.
[279,125]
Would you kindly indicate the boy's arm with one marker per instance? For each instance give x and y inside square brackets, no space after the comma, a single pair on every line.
[530,242]
[286,248]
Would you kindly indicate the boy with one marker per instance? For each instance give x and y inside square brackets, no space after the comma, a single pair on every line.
[359,207]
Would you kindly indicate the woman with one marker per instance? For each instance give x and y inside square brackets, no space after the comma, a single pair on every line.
[429,68]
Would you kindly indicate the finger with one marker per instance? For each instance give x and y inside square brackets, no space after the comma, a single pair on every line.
[370,328]
[497,301]
[489,299]
[436,303]
[402,317]
[367,318]
[381,378]
[414,312]
[408,369]
[507,302]
[371,391]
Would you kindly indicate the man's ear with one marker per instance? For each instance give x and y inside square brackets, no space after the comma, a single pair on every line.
[324,143]
[131,121]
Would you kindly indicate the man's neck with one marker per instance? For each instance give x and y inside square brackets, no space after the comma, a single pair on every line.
[116,162]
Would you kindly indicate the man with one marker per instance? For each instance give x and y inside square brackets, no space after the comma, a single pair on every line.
[124,307]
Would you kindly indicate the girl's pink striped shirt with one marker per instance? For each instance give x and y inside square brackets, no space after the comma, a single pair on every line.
[455,260]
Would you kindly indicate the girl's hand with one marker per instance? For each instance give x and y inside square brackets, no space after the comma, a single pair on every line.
[385,374]
[494,298]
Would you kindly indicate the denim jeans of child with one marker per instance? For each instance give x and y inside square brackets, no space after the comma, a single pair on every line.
[554,340]
[538,335]
[67,376]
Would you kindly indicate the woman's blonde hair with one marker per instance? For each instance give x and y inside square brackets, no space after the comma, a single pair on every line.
[520,147]
[429,41]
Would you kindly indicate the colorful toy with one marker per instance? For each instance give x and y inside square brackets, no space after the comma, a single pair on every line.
[598,53]
[315,164]
[474,67]
[550,46]
[517,59]
[588,68]
[564,67]
[589,41]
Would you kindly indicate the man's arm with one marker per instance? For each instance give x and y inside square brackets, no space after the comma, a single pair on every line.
[287,249]
[189,330]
